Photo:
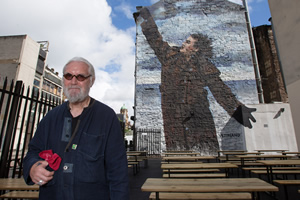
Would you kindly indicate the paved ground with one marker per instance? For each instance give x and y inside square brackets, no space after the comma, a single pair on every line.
[136,181]
[153,171]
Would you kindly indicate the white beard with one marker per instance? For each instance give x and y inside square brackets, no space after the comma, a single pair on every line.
[76,97]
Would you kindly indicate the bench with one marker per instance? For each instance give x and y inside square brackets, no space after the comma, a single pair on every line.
[139,159]
[265,168]
[281,172]
[187,175]
[187,162]
[276,171]
[285,183]
[246,163]
[189,170]
[135,166]
[21,195]
[202,196]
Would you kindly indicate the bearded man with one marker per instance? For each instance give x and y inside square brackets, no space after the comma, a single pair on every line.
[85,135]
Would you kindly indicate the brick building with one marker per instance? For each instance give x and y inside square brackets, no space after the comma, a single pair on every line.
[271,75]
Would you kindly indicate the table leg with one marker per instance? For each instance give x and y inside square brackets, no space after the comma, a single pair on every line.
[157,195]
[268,174]
[271,175]
[242,166]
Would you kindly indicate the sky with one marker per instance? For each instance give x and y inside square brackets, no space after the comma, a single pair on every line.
[102,31]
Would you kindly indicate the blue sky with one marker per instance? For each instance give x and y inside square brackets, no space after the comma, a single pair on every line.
[122,11]
[102,31]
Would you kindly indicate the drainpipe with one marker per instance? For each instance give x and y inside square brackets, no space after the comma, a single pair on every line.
[254,56]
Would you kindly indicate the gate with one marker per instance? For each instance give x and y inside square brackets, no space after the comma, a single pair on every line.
[149,140]
[20,113]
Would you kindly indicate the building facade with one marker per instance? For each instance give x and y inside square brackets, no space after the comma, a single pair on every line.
[22,58]
[286,27]
[192,99]
[205,96]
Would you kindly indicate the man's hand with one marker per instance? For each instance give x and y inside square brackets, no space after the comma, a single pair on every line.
[243,115]
[39,174]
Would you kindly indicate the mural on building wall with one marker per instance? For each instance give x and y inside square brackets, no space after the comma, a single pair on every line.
[189,75]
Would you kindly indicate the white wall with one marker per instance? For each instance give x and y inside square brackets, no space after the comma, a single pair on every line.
[273,129]
[28,61]
[286,26]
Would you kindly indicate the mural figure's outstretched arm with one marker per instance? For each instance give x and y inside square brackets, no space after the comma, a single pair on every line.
[153,36]
[228,101]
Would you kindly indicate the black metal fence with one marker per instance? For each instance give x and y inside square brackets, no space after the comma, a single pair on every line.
[20,112]
[149,140]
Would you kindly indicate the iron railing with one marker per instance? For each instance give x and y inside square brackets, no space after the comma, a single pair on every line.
[149,140]
[20,113]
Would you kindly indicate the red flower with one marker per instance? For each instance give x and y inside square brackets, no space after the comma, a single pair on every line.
[52,159]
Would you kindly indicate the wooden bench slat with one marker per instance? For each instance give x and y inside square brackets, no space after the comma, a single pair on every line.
[184,162]
[186,175]
[202,196]
[247,163]
[276,171]
[189,170]
[274,168]
[287,182]
[132,163]
[21,195]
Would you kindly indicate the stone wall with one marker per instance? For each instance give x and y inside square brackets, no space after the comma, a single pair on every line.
[193,99]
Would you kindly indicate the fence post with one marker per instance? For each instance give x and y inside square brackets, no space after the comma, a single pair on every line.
[9,131]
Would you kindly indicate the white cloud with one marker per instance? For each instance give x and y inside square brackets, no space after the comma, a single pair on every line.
[154,1]
[126,9]
[78,28]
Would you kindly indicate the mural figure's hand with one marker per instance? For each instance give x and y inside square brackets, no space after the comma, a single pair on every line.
[243,112]
[144,12]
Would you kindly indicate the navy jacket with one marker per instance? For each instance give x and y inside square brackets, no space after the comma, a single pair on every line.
[94,163]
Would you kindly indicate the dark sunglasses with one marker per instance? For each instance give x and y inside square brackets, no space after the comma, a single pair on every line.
[79,77]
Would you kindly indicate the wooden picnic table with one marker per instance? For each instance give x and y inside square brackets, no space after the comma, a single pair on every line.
[229,151]
[260,157]
[271,163]
[17,188]
[135,162]
[187,158]
[16,184]
[130,153]
[133,154]
[291,153]
[181,154]
[271,150]
[179,151]
[227,154]
[142,152]
[253,185]
[196,165]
